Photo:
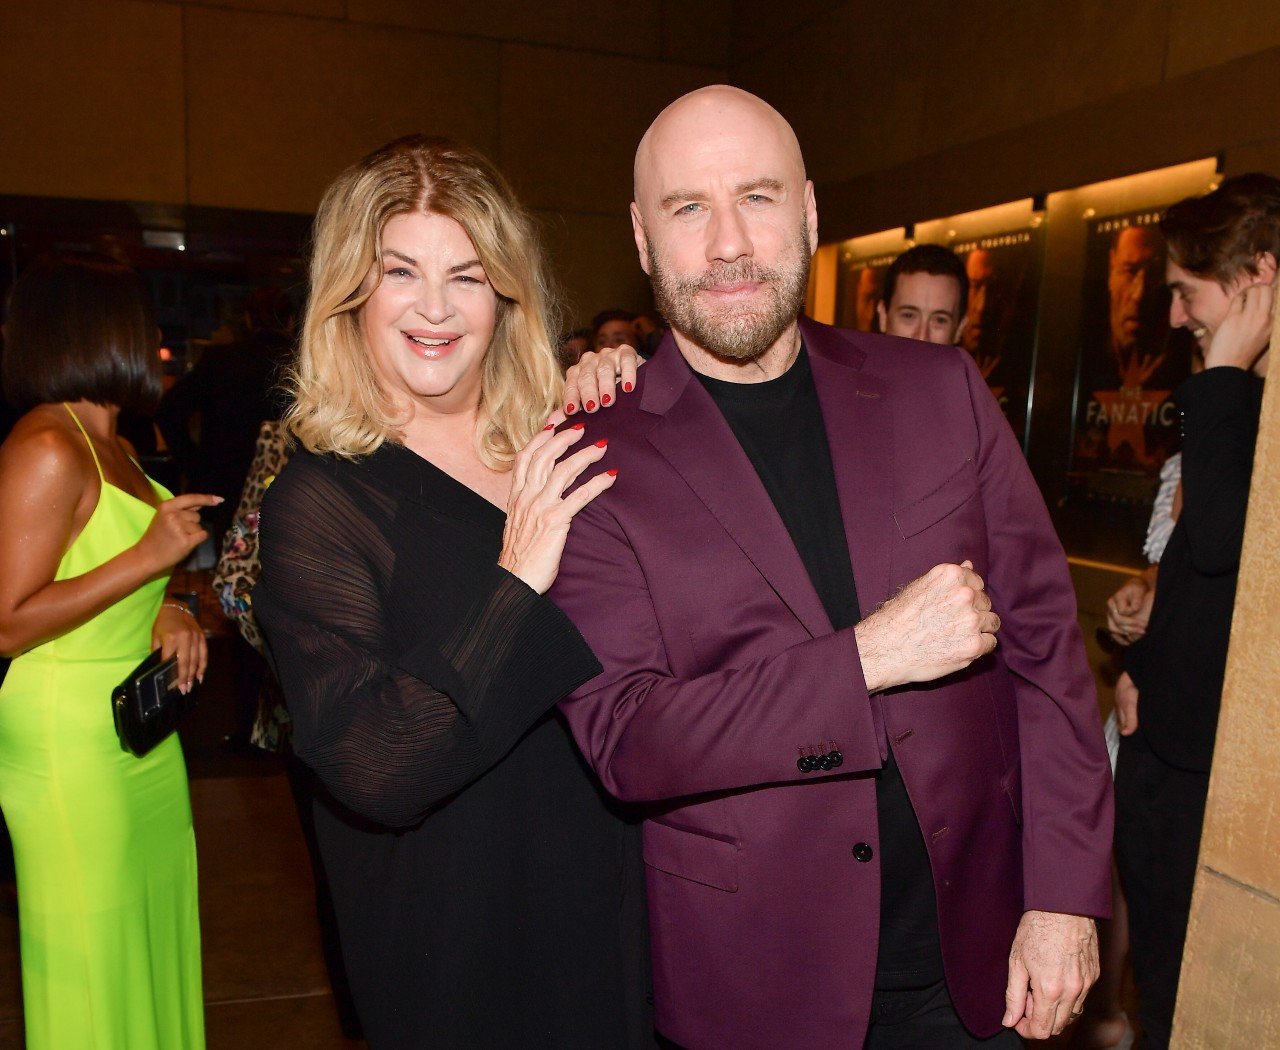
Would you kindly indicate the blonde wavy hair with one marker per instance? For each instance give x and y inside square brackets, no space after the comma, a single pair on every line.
[339,406]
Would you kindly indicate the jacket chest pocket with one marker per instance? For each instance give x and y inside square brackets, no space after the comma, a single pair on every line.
[940,503]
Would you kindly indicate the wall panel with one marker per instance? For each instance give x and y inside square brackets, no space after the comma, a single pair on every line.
[91,100]
[571,123]
[631,28]
[278,106]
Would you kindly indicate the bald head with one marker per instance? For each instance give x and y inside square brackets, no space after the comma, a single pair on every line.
[720,123]
[724,222]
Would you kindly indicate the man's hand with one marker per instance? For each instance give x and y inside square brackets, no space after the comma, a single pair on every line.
[1126,705]
[935,625]
[1246,330]
[1052,966]
[1129,609]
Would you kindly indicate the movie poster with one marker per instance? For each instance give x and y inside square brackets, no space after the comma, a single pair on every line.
[1000,322]
[860,288]
[1130,362]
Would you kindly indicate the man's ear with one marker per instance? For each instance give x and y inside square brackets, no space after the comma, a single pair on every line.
[641,236]
[811,216]
[955,339]
[883,314]
[1265,264]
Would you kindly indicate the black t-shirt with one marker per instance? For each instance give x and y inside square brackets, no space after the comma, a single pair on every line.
[779,426]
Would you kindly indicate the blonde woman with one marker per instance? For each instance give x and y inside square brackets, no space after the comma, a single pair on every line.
[487,893]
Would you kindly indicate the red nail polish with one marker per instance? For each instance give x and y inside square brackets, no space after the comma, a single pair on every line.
[612,473]
[549,426]
[590,405]
[602,443]
[605,399]
[569,409]
[577,426]
[626,387]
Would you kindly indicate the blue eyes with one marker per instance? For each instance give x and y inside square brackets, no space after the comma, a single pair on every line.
[462,278]
[751,198]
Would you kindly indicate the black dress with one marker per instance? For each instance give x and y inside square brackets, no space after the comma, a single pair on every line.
[488,893]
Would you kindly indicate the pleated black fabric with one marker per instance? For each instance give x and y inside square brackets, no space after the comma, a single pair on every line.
[488,893]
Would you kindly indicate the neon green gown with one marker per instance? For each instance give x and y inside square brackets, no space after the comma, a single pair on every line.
[108,913]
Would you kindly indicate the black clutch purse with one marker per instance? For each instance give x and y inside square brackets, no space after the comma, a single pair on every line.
[148,704]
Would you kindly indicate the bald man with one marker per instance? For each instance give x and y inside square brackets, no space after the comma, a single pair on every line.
[867,823]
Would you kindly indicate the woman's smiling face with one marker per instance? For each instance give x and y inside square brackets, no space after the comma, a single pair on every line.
[431,316]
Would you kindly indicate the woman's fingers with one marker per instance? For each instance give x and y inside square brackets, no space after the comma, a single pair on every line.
[191,501]
[572,397]
[593,383]
[193,656]
[588,393]
[540,461]
[588,491]
[617,366]
[520,470]
[628,366]
[202,656]
[566,472]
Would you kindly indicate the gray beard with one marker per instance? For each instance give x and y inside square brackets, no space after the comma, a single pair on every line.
[741,335]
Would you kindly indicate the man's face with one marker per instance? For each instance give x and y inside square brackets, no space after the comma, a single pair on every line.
[925,306]
[1199,304]
[574,347]
[615,333]
[981,270]
[870,292]
[1130,276]
[724,222]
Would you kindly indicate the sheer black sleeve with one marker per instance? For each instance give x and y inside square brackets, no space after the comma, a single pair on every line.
[392,718]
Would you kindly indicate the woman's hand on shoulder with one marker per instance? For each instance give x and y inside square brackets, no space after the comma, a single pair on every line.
[175,531]
[538,511]
[176,631]
[593,382]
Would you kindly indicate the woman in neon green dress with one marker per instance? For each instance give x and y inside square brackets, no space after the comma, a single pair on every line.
[105,852]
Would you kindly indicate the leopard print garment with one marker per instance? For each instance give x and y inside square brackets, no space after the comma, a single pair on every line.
[238,570]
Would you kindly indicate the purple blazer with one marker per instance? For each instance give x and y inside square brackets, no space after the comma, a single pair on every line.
[721,671]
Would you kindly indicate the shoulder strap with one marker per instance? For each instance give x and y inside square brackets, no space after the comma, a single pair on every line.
[88,440]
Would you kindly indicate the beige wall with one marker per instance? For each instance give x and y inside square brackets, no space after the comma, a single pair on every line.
[921,108]
[258,103]
[1229,995]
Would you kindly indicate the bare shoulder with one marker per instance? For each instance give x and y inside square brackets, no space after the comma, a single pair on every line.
[45,453]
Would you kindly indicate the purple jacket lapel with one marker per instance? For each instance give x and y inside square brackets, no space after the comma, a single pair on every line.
[694,438]
[859,428]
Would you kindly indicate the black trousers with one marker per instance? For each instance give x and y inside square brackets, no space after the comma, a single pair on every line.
[1159,813]
[917,1018]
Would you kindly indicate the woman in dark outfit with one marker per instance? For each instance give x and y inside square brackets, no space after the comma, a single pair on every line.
[488,895]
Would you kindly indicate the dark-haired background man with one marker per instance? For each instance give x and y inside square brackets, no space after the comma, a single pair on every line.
[614,328]
[926,293]
[1221,268]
